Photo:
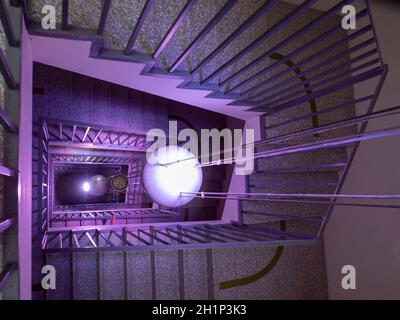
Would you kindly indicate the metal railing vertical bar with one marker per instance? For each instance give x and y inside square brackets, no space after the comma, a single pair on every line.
[91,240]
[6,273]
[105,239]
[286,217]
[325,73]
[45,241]
[85,134]
[64,14]
[243,27]
[267,103]
[152,236]
[241,227]
[331,126]
[238,233]
[280,233]
[371,19]
[362,129]
[60,240]
[60,131]
[170,236]
[97,135]
[258,236]
[181,234]
[138,238]
[323,111]
[207,229]
[208,237]
[76,241]
[6,72]
[124,240]
[293,53]
[329,143]
[330,89]
[73,133]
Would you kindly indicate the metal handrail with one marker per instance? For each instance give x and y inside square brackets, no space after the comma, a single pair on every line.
[6,274]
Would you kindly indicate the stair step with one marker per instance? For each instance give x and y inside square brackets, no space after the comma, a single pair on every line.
[112,275]
[62,264]
[300,159]
[305,209]
[295,186]
[139,282]
[300,188]
[168,275]
[295,179]
[85,276]
[277,216]
[310,168]
[131,275]
[195,275]
[305,125]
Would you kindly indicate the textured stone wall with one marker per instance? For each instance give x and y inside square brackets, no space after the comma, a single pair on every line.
[71,96]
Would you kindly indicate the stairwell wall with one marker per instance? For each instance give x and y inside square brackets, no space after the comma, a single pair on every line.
[369,238]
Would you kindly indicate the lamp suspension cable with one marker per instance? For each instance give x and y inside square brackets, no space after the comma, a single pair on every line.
[300,198]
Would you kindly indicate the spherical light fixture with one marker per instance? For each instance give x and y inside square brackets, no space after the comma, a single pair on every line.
[164,179]
[98,185]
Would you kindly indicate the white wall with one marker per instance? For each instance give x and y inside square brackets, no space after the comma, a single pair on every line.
[238,182]
[369,238]
[25,172]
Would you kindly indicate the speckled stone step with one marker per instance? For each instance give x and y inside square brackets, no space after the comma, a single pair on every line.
[112,275]
[139,276]
[196,284]
[168,273]
[284,208]
[308,158]
[285,179]
[62,263]
[299,188]
[330,167]
[300,268]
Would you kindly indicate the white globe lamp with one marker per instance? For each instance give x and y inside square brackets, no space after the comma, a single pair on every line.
[165,176]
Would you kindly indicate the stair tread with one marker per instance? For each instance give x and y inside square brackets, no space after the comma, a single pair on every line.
[85,276]
[311,168]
